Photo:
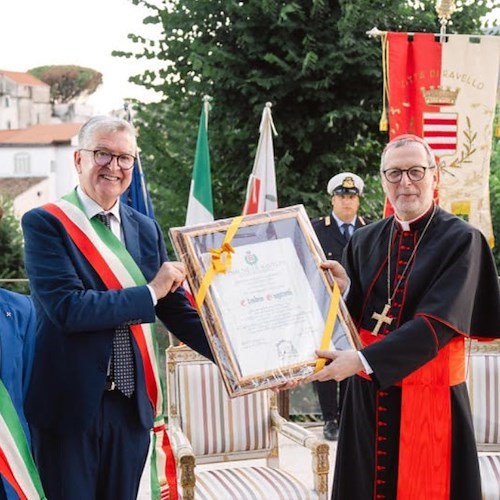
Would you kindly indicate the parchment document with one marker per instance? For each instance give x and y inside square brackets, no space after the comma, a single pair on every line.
[268,307]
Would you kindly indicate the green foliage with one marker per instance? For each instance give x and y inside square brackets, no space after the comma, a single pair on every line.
[495,198]
[166,163]
[11,251]
[311,59]
[68,82]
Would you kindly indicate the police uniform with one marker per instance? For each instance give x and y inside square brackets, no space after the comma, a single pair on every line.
[333,242]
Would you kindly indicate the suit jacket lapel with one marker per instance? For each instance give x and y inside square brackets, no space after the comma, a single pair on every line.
[130,227]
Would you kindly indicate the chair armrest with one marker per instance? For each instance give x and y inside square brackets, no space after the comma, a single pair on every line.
[295,432]
[488,448]
[320,449]
[185,460]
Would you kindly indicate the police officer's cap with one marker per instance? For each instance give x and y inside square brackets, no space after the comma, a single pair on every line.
[345,183]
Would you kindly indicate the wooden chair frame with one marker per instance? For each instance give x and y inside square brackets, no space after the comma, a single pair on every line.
[186,460]
[489,446]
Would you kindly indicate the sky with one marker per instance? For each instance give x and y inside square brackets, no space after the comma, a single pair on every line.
[52,32]
[55,32]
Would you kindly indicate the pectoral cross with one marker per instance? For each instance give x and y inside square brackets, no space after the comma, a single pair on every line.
[381,318]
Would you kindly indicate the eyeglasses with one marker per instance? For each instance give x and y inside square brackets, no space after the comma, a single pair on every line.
[394,175]
[103,158]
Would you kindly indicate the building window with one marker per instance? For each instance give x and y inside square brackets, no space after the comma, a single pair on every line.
[7,101]
[22,163]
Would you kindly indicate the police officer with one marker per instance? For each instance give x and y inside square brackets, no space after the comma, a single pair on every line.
[333,232]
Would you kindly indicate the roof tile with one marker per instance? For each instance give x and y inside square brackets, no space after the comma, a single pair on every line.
[23,78]
[41,134]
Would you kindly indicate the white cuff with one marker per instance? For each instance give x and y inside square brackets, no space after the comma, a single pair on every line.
[153,295]
[367,367]
[347,289]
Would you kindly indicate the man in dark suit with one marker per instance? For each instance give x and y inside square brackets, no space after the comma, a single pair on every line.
[333,232]
[87,405]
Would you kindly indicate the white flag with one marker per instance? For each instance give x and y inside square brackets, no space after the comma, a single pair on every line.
[261,190]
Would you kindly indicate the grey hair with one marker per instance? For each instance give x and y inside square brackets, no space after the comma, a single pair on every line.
[401,141]
[107,124]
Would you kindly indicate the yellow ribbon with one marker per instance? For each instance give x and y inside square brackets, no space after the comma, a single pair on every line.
[330,322]
[221,258]
[220,261]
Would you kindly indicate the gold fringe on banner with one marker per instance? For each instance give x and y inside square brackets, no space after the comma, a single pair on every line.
[384,122]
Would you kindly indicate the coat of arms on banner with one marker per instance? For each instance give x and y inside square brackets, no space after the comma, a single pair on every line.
[440,132]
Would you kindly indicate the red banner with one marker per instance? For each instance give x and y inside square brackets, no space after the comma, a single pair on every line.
[446,94]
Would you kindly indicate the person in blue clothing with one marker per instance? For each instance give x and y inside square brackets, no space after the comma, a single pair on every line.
[17,341]
[99,274]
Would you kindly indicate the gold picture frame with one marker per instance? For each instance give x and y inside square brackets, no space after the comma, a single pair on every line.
[264,312]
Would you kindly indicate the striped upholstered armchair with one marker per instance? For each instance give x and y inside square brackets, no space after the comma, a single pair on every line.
[483,382]
[206,427]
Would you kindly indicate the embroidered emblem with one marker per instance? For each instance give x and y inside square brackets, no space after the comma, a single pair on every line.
[251,258]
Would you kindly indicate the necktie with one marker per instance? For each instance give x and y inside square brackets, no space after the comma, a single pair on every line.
[345,230]
[122,356]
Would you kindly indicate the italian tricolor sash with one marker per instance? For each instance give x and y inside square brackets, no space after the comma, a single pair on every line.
[117,269]
[16,462]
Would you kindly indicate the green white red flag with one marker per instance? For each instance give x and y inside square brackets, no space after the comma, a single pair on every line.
[261,190]
[200,204]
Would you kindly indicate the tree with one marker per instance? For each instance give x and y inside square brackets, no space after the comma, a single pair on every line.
[68,82]
[311,58]
[495,197]
[11,250]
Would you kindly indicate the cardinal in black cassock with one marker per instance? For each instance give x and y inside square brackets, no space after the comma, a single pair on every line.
[421,282]
[450,291]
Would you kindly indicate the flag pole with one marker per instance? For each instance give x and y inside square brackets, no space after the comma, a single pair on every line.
[206,107]
[444,9]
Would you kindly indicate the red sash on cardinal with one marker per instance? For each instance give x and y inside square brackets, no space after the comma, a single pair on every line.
[117,269]
[424,467]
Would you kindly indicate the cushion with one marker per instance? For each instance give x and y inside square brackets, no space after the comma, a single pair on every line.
[484,391]
[215,423]
[242,483]
[490,476]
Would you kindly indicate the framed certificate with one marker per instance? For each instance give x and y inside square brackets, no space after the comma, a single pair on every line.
[263,298]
